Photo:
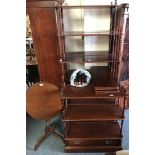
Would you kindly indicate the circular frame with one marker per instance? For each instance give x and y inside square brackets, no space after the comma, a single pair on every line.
[73,76]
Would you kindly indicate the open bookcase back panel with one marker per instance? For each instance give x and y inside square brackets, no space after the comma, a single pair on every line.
[74,43]
[87,20]
[86,43]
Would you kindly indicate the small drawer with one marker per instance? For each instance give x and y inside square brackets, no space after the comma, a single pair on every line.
[105,142]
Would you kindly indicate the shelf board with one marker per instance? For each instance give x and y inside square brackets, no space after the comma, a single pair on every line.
[92,149]
[88,57]
[82,33]
[71,92]
[92,112]
[86,6]
[90,101]
[93,131]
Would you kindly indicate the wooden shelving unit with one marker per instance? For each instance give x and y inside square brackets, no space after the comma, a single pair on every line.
[91,113]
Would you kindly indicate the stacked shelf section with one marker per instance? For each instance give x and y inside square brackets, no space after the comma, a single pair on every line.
[91,114]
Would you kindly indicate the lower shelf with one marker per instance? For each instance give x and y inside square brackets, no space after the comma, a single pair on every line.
[93,130]
[101,142]
[92,148]
[98,112]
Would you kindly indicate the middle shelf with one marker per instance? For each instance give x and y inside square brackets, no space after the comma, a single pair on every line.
[93,112]
[88,57]
[88,92]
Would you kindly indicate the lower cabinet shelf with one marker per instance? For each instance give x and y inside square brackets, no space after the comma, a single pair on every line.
[92,148]
[93,130]
[90,112]
[104,142]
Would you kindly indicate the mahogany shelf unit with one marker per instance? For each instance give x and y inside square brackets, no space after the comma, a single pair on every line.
[92,115]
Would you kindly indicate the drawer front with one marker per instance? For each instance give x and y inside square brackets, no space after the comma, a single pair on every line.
[75,149]
[107,142]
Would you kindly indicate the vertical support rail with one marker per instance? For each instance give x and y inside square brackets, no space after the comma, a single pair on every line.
[112,63]
[122,31]
[122,100]
[110,37]
[62,29]
[113,46]
[66,128]
[59,20]
[115,42]
[122,121]
[120,42]
[117,47]
[63,43]
[65,109]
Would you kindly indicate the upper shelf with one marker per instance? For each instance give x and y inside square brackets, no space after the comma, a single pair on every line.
[85,6]
[88,57]
[82,33]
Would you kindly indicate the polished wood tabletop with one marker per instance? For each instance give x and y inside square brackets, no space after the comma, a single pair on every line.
[43,101]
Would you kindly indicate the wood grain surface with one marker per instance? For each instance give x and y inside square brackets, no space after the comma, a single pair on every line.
[43,101]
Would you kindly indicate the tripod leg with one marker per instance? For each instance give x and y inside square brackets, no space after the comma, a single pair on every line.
[39,141]
[48,130]
[43,136]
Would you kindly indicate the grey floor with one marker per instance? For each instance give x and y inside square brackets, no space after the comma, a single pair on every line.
[52,145]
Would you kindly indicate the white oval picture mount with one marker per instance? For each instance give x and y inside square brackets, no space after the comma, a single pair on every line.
[82,84]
